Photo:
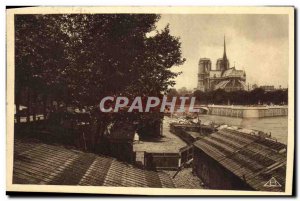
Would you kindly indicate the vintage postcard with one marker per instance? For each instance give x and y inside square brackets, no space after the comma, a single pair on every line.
[150,100]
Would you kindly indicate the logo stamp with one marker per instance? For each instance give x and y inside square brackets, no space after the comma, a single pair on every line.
[272,183]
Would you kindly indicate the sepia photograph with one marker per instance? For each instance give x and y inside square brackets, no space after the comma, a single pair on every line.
[150,100]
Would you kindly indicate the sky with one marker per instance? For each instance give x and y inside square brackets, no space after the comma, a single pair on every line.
[255,43]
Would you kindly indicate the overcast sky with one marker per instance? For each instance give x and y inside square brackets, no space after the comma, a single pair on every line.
[257,44]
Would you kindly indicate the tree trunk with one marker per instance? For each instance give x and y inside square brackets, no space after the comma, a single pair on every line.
[99,135]
[45,106]
[17,100]
[34,105]
[28,106]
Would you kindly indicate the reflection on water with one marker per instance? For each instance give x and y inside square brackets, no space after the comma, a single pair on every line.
[278,126]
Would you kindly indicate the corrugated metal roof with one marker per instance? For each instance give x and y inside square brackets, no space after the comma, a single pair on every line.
[253,158]
[185,178]
[37,163]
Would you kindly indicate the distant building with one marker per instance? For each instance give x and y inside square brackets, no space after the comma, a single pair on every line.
[268,87]
[223,77]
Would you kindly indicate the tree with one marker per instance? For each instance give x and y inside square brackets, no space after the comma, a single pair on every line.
[257,95]
[242,97]
[172,93]
[219,96]
[40,57]
[117,58]
[79,59]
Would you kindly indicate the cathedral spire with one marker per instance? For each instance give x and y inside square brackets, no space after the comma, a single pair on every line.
[225,62]
[224,54]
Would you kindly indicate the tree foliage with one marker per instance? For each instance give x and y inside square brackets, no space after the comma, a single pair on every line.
[79,59]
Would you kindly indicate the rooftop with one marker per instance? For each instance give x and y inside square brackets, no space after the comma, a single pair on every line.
[233,72]
[253,158]
[38,163]
[186,179]
[204,59]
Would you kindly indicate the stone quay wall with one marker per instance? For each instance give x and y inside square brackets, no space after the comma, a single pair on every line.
[248,112]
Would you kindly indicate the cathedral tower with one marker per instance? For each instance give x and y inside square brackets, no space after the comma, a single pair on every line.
[204,67]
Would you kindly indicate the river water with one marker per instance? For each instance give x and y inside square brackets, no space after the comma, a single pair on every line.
[278,126]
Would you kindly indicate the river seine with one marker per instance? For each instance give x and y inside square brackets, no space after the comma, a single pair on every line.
[278,126]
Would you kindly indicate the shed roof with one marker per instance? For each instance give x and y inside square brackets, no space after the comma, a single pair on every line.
[253,158]
[37,163]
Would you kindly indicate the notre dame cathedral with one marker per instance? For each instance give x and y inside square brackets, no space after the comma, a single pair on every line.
[223,77]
